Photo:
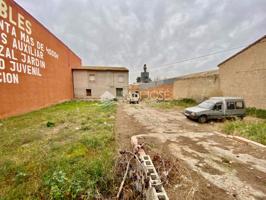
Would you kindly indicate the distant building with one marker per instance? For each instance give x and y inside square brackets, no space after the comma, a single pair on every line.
[95,82]
[144,77]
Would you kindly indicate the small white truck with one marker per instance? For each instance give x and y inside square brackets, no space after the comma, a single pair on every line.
[134,97]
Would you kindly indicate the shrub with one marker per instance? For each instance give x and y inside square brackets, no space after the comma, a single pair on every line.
[260,113]
[186,102]
[50,124]
[175,103]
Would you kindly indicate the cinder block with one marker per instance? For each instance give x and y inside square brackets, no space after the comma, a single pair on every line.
[156,190]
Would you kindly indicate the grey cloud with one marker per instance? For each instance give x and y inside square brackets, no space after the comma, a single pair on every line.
[157,32]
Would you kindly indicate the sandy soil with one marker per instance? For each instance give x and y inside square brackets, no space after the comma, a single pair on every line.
[211,165]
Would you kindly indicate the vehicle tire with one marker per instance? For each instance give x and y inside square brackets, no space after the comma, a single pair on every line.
[203,119]
[241,117]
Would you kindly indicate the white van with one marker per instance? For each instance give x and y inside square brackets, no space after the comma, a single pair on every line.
[217,108]
[134,97]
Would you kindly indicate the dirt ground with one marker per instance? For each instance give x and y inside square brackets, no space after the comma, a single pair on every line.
[208,164]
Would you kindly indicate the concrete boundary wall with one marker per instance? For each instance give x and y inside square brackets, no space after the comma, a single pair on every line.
[197,86]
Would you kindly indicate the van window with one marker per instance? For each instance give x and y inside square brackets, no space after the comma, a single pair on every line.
[239,105]
[230,105]
[218,106]
[206,104]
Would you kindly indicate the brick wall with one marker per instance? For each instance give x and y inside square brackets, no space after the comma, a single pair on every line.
[133,87]
[164,91]
[37,75]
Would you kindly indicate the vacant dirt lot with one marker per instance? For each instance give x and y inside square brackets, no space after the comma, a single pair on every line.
[210,165]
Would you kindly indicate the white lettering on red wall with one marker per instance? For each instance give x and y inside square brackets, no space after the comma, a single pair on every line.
[20,52]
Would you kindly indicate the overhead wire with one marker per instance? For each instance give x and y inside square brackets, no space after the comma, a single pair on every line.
[165,66]
[195,58]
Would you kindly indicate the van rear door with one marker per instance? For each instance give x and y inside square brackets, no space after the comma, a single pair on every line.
[235,108]
[240,108]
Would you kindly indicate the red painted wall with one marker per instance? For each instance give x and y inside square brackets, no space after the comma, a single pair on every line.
[43,78]
[164,91]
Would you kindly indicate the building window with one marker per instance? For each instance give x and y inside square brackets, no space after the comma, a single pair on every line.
[91,77]
[121,79]
[119,92]
[88,92]
[230,105]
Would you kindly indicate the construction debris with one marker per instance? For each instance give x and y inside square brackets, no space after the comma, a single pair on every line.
[142,176]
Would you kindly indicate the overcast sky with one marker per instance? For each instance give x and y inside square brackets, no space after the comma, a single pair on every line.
[156,32]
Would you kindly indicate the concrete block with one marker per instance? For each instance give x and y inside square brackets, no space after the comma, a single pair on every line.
[156,190]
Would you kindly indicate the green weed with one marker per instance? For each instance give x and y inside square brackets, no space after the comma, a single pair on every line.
[183,103]
[253,130]
[69,158]
[50,124]
[259,113]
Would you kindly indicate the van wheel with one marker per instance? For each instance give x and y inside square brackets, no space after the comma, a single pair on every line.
[241,117]
[202,119]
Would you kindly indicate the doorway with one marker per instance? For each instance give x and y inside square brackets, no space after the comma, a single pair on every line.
[119,92]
